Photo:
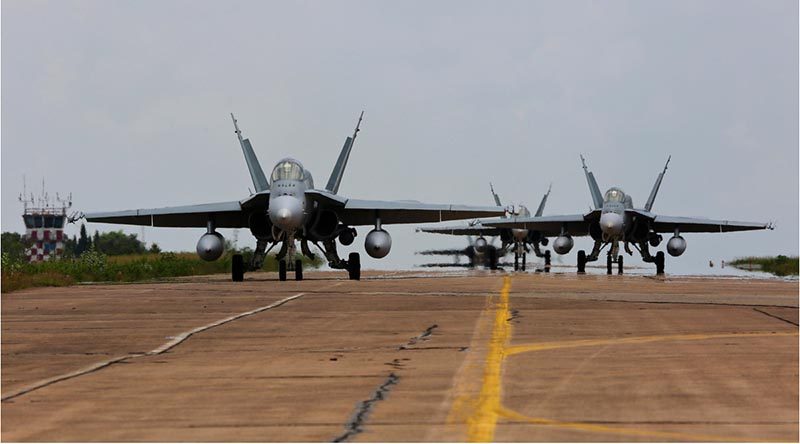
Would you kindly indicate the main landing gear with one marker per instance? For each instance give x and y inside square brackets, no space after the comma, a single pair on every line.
[237,268]
[354,266]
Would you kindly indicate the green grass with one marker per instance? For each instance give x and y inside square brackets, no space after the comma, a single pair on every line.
[778,265]
[97,267]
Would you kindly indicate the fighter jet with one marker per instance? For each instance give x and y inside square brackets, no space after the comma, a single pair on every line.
[517,240]
[287,208]
[615,220]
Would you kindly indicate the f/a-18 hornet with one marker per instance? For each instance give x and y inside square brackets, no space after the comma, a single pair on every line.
[614,220]
[512,239]
[287,208]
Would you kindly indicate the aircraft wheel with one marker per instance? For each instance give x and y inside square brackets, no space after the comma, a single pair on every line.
[282,270]
[609,264]
[492,253]
[581,261]
[237,268]
[516,261]
[524,259]
[298,270]
[660,262]
[354,266]
[547,261]
[619,264]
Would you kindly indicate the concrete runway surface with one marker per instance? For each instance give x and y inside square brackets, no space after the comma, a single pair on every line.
[405,356]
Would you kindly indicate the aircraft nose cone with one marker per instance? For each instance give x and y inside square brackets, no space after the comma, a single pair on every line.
[286,212]
[611,224]
[284,215]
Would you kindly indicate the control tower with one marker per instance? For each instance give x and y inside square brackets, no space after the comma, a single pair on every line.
[44,219]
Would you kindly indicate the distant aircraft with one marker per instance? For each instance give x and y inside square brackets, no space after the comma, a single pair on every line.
[483,252]
[615,220]
[288,208]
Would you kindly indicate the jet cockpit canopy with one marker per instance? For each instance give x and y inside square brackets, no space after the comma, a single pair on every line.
[615,195]
[288,169]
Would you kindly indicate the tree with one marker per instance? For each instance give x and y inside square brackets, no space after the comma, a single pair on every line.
[154,249]
[96,239]
[84,243]
[117,243]
[14,245]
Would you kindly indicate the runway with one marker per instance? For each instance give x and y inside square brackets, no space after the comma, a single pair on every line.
[404,356]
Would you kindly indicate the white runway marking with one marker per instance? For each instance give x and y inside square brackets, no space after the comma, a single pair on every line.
[161,349]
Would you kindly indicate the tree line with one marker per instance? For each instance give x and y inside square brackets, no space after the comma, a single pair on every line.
[113,243]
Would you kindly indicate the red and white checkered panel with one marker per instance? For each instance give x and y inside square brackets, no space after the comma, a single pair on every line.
[40,236]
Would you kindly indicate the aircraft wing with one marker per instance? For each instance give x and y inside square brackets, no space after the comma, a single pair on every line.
[668,224]
[225,214]
[463,230]
[574,224]
[363,212]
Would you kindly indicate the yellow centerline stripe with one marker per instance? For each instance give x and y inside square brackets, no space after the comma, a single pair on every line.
[517,349]
[488,408]
[600,428]
[481,424]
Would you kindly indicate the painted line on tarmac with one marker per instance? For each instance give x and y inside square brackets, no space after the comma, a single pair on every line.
[624,431]
[517,349]
[487,406]
[161,349]
[482,423]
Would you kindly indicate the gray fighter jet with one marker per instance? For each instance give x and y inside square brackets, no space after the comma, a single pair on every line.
[512,239]
[287,208]
[614,220]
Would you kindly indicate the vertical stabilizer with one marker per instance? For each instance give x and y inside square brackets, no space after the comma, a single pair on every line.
[496,197]
[540,210]
[597,196]
[656,186]
[338,170]
[256,173]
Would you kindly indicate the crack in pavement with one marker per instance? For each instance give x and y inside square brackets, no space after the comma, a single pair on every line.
[776,317]
[424,336]
[353,427]
[157,351]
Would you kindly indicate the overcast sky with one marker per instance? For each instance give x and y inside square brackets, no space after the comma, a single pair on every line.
[126,104]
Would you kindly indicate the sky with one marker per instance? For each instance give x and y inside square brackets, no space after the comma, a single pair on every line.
[126,105]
